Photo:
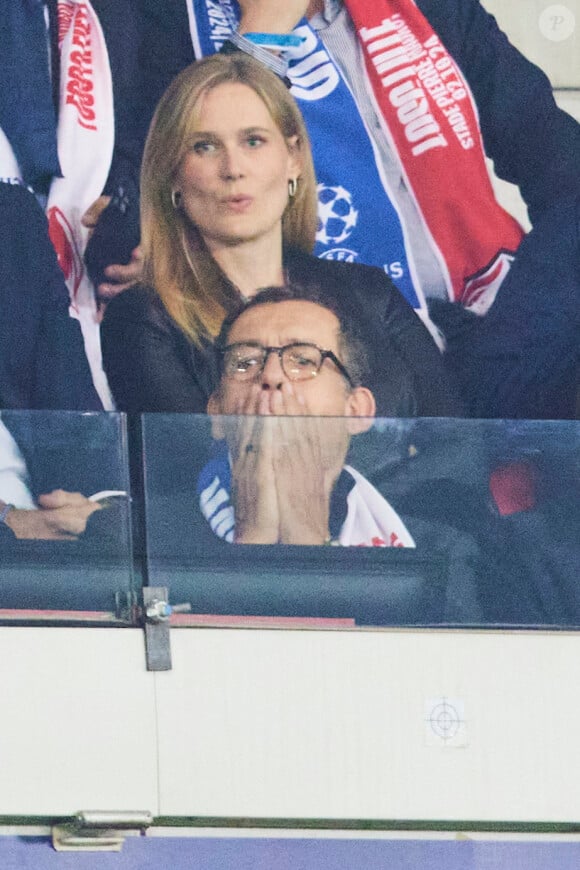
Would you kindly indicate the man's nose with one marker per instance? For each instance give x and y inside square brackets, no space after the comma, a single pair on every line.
[272,376]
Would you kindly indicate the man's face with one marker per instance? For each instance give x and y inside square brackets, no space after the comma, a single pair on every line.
[271,391]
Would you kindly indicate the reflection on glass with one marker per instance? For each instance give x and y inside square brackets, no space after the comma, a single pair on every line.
[284,480]
[432,521]
[65,539]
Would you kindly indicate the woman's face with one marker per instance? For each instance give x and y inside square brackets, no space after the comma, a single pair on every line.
[233,180]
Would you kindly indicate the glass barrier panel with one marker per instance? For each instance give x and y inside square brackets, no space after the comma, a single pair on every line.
[374,522]
[65,544]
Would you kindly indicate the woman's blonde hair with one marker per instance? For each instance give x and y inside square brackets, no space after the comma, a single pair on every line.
[177,264]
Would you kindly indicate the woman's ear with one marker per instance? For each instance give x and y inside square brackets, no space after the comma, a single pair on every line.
[214,410]
[360,410]
[295,156]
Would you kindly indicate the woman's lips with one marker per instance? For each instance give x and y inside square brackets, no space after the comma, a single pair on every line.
[238,203]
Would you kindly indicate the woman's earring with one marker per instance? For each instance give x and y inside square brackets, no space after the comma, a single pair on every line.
[292,187]
[176,198]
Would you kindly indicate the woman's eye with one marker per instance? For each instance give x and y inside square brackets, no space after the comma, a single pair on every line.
[255,141]
[203,147]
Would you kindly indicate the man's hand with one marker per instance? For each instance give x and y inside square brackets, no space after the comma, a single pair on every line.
[121,275]
[249,437]
[61,516]
[91,217]
[271,16]
[284,465]
[254,484]
[305,469]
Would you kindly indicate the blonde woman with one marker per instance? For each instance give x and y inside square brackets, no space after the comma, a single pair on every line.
[228,206]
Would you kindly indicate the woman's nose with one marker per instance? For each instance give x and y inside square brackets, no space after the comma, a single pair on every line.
[232,163]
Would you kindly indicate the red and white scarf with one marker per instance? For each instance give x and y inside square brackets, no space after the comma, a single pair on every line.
[429,116]
[85,136]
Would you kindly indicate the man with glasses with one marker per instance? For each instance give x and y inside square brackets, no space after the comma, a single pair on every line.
[291,374]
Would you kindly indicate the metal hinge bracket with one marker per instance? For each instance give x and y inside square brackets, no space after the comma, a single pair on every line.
[156,613]
[100,831]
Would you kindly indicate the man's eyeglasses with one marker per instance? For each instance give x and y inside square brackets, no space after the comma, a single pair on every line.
[245,361]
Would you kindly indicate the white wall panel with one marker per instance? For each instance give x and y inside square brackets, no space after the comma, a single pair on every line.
[77,727]
[315,724]
[291,724]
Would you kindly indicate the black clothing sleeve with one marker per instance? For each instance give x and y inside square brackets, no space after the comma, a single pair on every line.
[150,364]
[117,231]
[435,390]
[42,359]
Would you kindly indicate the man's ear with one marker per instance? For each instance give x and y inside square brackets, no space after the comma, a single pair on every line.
[214,410]
[360,410]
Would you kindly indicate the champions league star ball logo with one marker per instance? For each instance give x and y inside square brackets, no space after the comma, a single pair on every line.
[336,216]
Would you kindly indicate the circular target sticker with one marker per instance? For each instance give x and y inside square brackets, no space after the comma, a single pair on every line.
[445,722]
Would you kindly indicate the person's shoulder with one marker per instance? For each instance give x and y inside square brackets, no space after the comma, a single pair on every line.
[139,302]
[138,295]
[136,315]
